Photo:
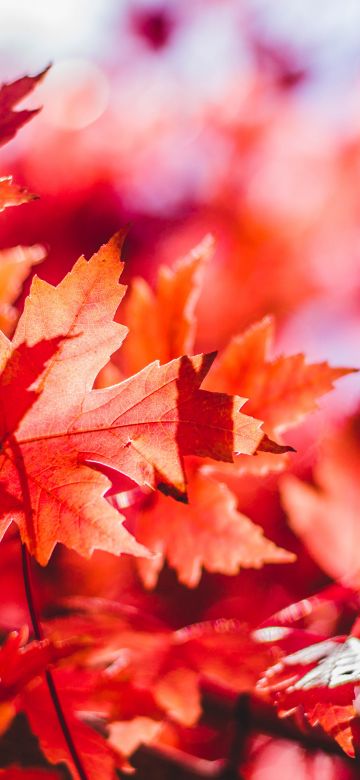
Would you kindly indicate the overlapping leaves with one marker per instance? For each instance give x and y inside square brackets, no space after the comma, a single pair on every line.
[54,424]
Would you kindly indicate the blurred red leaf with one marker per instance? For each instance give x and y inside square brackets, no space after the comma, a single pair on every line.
[20,663]
[10,95]
[158,673]
[13,195]
[15,265]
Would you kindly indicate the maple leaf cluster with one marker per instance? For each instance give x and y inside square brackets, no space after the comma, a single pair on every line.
[129,466]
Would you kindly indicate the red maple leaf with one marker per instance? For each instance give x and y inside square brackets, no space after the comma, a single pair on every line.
[58,424]
[10,95]
[10,122]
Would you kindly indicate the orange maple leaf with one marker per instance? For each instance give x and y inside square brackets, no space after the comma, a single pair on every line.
[142,427]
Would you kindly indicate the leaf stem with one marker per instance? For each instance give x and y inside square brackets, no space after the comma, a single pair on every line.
[39,634]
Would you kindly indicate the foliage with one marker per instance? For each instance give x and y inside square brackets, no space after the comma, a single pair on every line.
[133,472]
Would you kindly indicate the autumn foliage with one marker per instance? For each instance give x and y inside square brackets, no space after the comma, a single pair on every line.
[179,576]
